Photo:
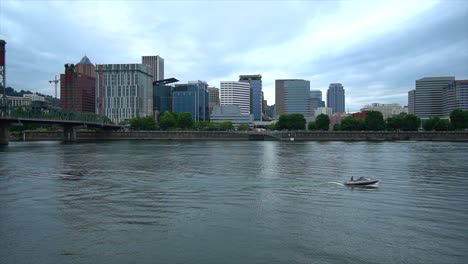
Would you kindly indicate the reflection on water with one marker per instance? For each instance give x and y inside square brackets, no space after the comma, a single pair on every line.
[233,202]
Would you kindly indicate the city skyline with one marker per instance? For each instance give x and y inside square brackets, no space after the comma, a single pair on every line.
[376,57]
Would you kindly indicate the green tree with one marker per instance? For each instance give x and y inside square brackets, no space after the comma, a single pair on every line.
[322,122]
[465,119]
[395,122]
[297,121]
[431,123]
[374,121]
[442,125]
[212,126]
[312,126]
[337,127]
[167,121]
[410,123]
[226,125]
[272,127]
[293,121]
[457,119]
[283,122]
[243,127]
[184,120]
[135,123]
[201,125]
[148,123]
[350,123]
[143,123]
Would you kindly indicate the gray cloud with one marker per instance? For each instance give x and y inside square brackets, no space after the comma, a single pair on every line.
[385,67]
[321,41]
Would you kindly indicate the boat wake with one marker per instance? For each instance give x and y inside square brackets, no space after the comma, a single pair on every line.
[338,183]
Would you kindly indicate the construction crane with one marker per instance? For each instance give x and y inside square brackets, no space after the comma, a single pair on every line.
[55,81]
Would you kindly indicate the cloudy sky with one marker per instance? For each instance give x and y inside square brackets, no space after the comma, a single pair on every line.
[376,49]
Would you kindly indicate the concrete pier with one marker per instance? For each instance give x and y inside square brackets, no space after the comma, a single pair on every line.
[4,133]
[69,134]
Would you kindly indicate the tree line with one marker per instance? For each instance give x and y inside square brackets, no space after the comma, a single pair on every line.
[181,121]
[374,121]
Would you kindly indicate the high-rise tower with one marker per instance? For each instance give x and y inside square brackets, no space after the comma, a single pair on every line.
[428,96]
[236,93]
[124,91]
[292,96]
[256,99]
[157,66]
[336,98]
[78,87]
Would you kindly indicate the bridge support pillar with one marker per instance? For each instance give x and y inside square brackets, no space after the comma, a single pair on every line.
[69,134]
[4,134]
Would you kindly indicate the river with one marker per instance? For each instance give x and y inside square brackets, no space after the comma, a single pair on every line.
[233,202]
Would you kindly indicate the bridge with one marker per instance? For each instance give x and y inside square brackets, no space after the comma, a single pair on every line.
[43,114]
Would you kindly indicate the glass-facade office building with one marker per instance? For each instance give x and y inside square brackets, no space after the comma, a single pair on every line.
[428,96]
[292,96]
[256,99]
[193,98]
[461,87]
[316,100]
[455,96]
[162,98]
[336,98]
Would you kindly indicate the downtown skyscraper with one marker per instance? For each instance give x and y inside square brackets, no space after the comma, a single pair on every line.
[316,100]
[236,93]
[428,96]
[191,97]
[124,91]
[157,66]
[292,96]
[78,87]
[336,98]
[256,98]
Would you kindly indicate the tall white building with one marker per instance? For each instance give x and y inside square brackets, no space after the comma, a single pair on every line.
[157,66]
[124,91]
[236,93]
[387,110]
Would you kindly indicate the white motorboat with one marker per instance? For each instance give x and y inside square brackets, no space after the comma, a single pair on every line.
[361,181]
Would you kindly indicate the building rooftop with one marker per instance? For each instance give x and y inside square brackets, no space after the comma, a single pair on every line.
[84,60]
[250,77]
[437,78]
[290,80]
[165,81]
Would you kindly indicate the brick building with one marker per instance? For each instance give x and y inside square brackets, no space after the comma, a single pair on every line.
[78,87]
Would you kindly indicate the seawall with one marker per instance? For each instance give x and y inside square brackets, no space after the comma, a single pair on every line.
[228,135]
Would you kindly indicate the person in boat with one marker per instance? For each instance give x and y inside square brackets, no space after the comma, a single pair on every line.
[352,178]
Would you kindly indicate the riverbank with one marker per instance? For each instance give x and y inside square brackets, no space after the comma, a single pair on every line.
[250,135]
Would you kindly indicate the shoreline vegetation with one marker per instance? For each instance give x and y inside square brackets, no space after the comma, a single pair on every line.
[289,127]
[251,135]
